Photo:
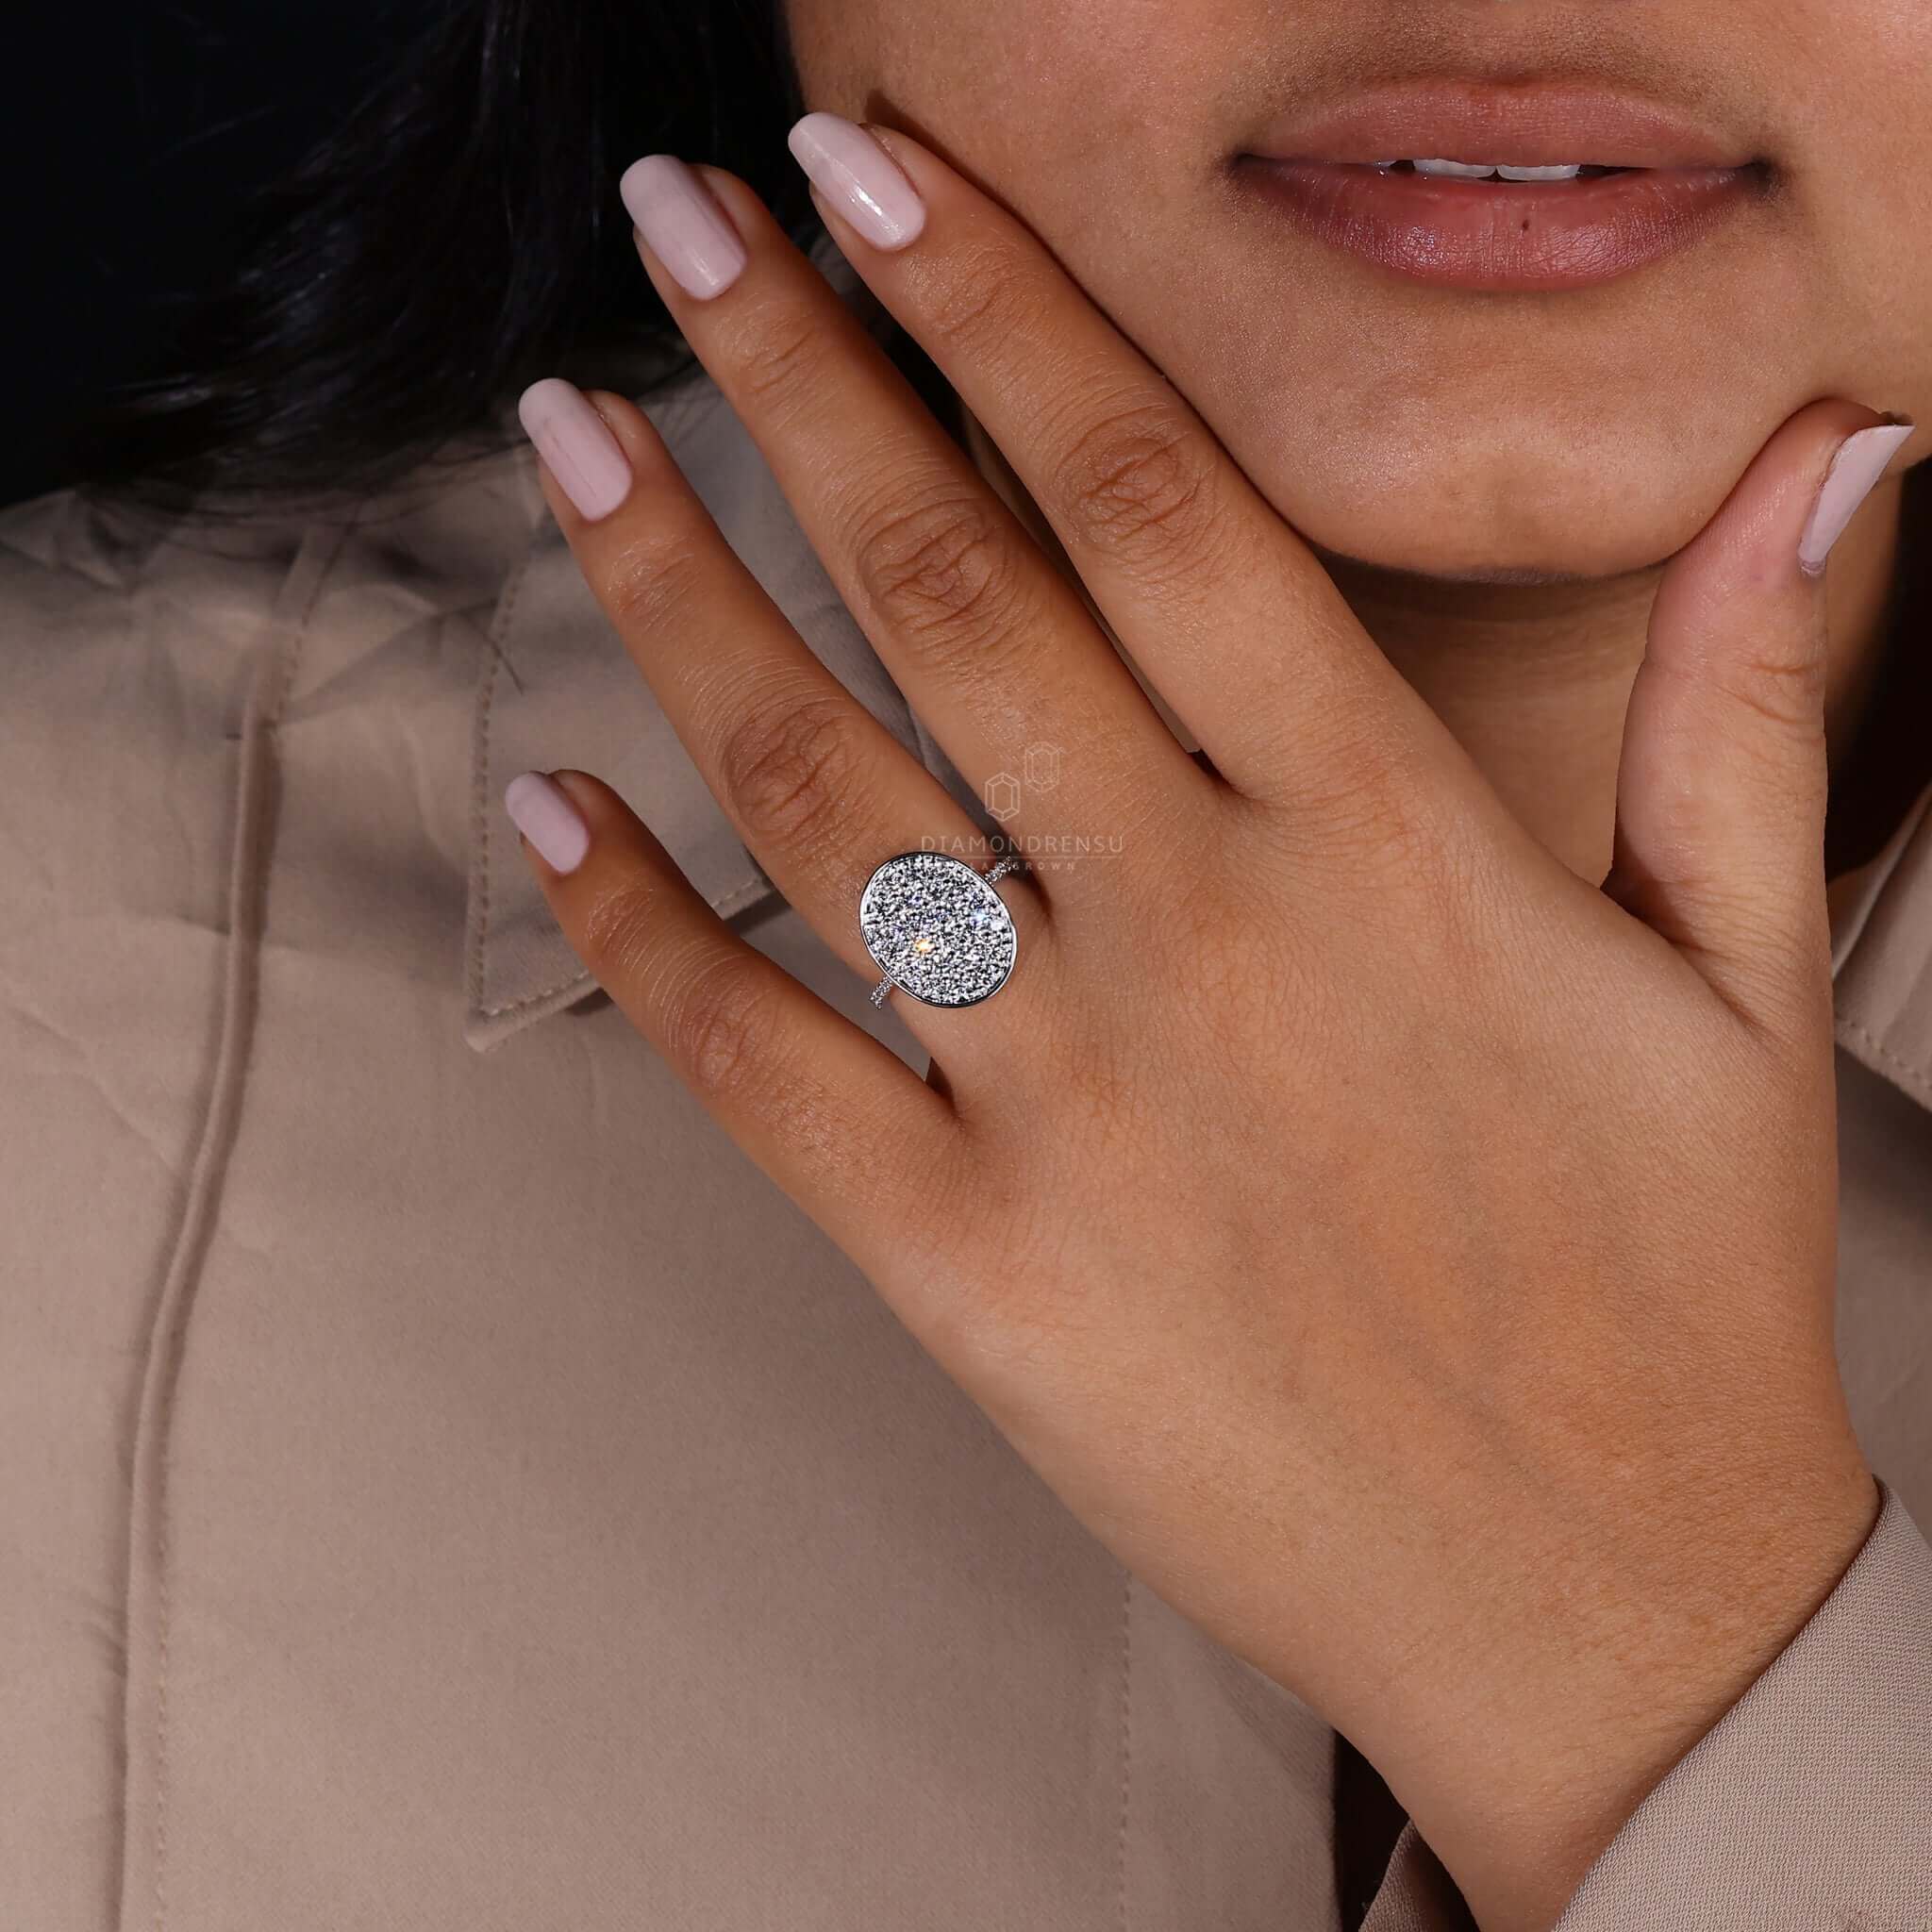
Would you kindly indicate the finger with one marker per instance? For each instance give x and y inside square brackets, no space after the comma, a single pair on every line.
[1721,785]
[992,645]
[1224,608]
[837,1120]
[818,789]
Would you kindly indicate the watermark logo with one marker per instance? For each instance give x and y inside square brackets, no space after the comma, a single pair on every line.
[1005,792]
[1042,767]
[1039,773]
[1002,793]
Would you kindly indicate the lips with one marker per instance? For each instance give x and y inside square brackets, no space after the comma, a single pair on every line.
[1531,124]
[1674,178]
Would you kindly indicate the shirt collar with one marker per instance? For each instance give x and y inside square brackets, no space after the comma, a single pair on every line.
[557,689]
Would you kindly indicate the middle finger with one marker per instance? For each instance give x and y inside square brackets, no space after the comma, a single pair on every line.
[1214,594]
[992,645]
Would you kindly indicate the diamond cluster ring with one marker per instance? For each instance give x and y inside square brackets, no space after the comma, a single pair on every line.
[936,929]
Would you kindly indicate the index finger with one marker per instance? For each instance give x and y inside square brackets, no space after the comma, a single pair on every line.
[1215,597]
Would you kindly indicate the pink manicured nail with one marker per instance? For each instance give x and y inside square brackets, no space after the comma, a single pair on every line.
[680,219]
[858,178]
[1858,464]
[542,811]
[577,444]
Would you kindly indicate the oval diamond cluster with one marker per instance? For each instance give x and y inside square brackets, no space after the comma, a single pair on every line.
[936,929]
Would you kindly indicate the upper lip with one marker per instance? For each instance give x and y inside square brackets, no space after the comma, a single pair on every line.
[1524,125]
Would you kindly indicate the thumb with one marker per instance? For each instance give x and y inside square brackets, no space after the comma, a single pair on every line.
[1721,787]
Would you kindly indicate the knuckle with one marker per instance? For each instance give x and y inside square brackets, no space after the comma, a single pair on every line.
[651,584]
[779,356]
[1458,876]
[1427,884]
[715,1015]
[1787,694]
[1142,479]
[1352,802]
[1397,837]
[977,297]
[1369,814]
[622,926]
[720,1025]
[1784,692]
[939,571]
[791,766]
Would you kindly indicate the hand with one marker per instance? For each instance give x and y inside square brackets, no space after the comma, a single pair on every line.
[1413,1260]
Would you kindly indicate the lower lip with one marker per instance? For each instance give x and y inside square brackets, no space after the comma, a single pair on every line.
[1493,234]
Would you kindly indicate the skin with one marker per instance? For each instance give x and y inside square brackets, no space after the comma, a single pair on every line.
[1415,1148]
[1424,462]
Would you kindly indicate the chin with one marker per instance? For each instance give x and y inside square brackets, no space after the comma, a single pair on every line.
[1490,517]
[1466,479]
[1519,574]
[1415,555]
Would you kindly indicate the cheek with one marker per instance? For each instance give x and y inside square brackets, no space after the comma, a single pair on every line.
[1082,116]
[1865,202]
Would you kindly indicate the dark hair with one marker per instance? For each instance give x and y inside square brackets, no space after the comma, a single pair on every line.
[458,236]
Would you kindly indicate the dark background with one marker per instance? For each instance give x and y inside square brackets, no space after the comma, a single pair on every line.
[135,134]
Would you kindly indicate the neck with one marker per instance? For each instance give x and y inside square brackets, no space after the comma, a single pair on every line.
[1533,679]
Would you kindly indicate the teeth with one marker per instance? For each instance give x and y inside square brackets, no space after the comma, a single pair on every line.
[1478,171]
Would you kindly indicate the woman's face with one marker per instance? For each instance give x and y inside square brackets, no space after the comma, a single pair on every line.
[1428,424]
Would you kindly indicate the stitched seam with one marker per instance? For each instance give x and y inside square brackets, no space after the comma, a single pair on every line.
[531,999]
[480,827]
[735,898]
[1126,1730]
[1909,1077]
[247,885]
[480,813]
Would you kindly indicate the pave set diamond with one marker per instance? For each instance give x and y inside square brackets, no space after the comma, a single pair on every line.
[936,929]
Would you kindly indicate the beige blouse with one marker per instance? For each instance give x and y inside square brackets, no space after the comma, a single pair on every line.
[444,1486]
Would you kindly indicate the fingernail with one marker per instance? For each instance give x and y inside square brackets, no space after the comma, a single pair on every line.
[1858,464]
[541,809]
[577,444]
[681,219]
[860,179]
